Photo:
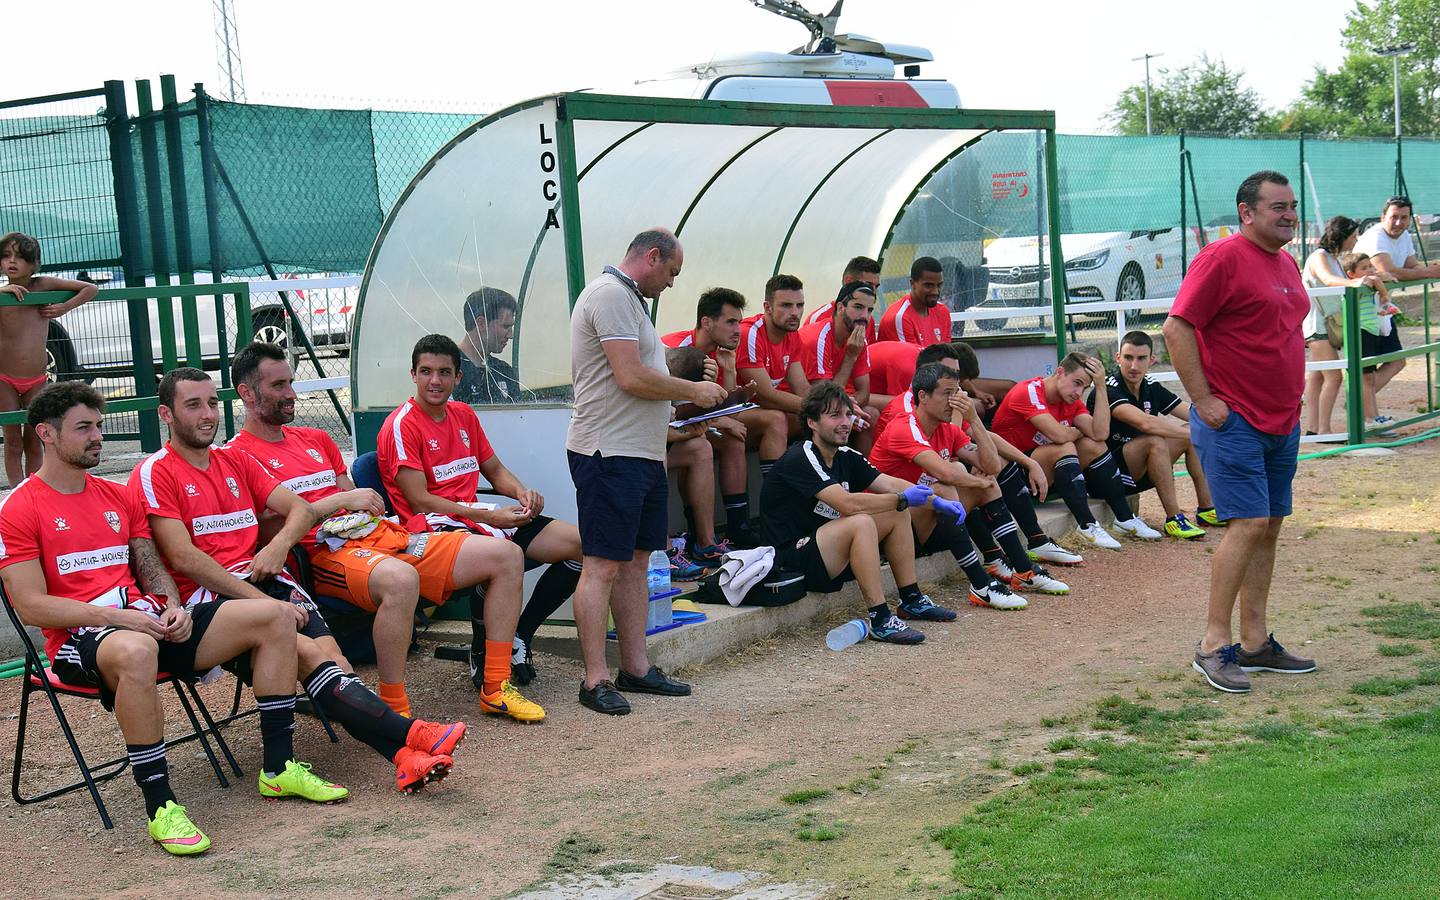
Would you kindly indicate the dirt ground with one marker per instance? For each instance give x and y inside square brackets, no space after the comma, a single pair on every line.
[902,736]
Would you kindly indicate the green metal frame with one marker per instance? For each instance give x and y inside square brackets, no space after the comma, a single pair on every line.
[1355,364]
[136,299]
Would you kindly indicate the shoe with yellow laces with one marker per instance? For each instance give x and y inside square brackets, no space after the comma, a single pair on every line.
[175,833]
[298,781]
[508,701]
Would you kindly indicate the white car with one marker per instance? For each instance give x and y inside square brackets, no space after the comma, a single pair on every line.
[1099,267]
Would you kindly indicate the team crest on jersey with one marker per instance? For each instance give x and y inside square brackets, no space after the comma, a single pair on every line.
[191,490]
[275,463]
[362,554]
[434,444]
[314,454]
[465,436]
[234,488]
[61,524]
[1147,407]
[112,518]
[802,542]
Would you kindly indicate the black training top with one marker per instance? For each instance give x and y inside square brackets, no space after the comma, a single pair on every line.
[1155,400]
[494,382]
[788,508]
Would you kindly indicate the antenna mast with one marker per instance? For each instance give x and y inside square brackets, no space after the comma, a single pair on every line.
[822,28]
[227,52]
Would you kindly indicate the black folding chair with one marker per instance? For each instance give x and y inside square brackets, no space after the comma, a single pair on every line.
[36,678]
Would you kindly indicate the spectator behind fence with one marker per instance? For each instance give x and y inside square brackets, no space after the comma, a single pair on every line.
[485,378]
[1391,245]
[920,317]
[113,626]
[861,269]
[1234,337]
[1149,430]
[717,335]
[1360,268]
[1046,419]
[1322,269]
[616,449]
[828,512]
[23,334]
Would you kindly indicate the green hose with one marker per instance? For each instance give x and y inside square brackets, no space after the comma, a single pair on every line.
[16,667]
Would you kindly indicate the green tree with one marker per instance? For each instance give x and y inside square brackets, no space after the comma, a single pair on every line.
[1205,96]
[1358,98]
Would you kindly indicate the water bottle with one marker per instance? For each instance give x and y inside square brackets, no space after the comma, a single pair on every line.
[657,575]
[852,632]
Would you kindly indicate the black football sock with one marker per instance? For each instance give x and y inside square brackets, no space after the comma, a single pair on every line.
[1015,485]
[551,591]
[737,513]
[949,536]
[277,731]
[147,764]
[983,540]
[368,719]
[1070,484]
[1102,477]
[910,593]
[879,614]
[1007,533]
[766,465]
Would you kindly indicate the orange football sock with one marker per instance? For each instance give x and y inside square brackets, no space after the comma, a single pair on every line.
[497,664]
[395,698]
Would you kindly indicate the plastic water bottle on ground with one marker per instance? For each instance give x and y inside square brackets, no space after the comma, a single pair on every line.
[852,632]
[657,575]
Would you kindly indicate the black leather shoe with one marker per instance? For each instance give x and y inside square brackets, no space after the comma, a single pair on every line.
[603,698]
[654,682]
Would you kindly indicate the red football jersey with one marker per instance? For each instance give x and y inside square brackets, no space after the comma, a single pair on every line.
[221,505]
[906,323]
[757,352]
[81,540]
[903,405]
[892,367]
[304,460]
[895,451]
[449,452]
[821,356]
[1025,401]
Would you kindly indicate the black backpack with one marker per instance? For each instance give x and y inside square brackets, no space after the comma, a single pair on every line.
[779,587]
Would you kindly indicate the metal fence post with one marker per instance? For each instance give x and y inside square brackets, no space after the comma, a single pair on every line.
[569,202]
[1057,253]
[1184,254]
[127,214]
[1354,383]
[155,208]
[1304,253]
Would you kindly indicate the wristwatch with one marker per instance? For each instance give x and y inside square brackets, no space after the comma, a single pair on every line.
[901,504]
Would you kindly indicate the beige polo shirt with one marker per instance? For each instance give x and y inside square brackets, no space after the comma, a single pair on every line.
[606,418]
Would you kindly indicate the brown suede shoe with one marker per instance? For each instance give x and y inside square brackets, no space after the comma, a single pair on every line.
[1271,657]
[1221,670]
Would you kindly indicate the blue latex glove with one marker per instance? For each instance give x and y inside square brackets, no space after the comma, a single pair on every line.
[949,508]
[917,494]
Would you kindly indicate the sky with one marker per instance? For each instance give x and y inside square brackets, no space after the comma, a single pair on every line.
[480,55]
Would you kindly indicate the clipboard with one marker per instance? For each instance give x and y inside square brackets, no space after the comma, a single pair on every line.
[737,401]
[715,413]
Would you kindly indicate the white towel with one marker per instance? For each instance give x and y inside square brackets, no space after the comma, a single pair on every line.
[742,570]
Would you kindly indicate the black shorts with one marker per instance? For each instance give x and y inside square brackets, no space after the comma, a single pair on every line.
[803,555]
[1377,344]
[1132,484]
[528,532]
[75,664]
[623,503]
[315,625]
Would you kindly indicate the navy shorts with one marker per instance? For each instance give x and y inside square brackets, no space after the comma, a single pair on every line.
[75,661]
[315,625]
[623,503]
[1250,472]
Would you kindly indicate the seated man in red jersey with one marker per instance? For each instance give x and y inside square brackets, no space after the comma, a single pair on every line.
[902,402]
[945,444]
[717,334]
[78,562]
[769,353]
[892,365]
[862,269]
[836,350]
[920,317]
[387,570]
[1046,418]
[432,453]
[204,505]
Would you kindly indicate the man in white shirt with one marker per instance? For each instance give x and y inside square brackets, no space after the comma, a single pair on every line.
[1391,247]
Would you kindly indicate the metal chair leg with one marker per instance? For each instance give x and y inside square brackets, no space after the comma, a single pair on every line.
[74,750]
[200,734]
[214,729]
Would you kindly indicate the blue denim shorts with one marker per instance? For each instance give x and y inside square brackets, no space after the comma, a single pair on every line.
[623,503]
[1249,471]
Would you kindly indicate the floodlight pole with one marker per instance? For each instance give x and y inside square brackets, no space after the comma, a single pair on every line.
[1395,52]
[1147,57]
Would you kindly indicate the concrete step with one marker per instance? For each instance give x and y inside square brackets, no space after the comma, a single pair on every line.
[727,629]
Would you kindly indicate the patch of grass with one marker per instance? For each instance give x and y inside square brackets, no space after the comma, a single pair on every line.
[808,795]
[1145,824]
[1117,713]
[1382,686]
[574,853]
[907,747]
[1403,620]
[1397,649]
[1028,768]
[1060,745]
[623,867]
[1051,721]
[739,778]
[756,815]
[995,762]
[820,832]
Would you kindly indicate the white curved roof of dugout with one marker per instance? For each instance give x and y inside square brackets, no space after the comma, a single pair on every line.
[751,189]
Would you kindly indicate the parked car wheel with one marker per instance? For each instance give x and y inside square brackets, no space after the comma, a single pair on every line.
[60,362]
[270,326]
[1131,285]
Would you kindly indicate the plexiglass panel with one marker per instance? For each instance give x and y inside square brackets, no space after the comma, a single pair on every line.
[473,220]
